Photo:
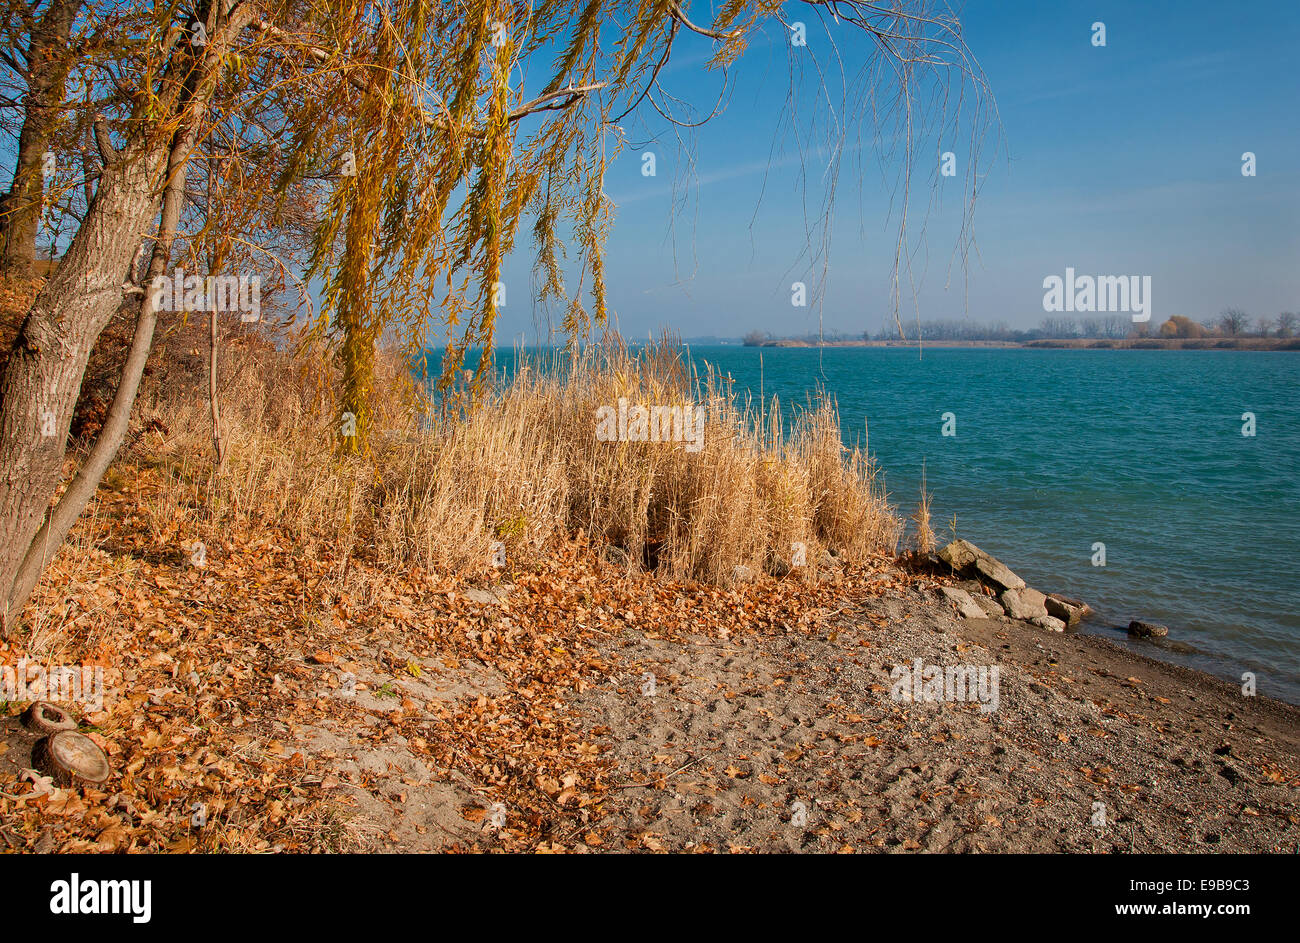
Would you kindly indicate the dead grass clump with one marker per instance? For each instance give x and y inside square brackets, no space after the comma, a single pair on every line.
[440,486]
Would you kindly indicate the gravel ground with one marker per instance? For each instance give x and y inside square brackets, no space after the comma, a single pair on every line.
[800,738]
[796,742]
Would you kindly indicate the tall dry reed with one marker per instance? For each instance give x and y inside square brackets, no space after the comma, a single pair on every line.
[521,466]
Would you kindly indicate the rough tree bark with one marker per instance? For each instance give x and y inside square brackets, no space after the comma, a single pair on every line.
[41,381]
[48,59]
[39,388]
[64,514]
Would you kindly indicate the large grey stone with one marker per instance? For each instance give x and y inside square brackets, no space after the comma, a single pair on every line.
[998,573]
[959,554]
[965,604]
[966,558]
[1027,604]
[1068,610]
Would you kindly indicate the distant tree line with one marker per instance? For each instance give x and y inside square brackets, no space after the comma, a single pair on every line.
[1116,327]
[1231,322]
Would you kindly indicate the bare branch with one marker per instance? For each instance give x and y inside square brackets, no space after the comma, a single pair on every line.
[680,17]
[540,103]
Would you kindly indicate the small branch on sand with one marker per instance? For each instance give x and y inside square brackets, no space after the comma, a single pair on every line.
[658,779]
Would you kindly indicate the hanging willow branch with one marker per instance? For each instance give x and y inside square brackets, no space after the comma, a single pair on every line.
[445,171]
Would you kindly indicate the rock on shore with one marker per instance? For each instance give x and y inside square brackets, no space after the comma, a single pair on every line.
[1068,610]
[1026,604]
[1147,629]
[962,555]
[965,603]
[988,575]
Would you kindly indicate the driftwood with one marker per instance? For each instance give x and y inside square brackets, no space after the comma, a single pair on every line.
[45,718]
[70,757]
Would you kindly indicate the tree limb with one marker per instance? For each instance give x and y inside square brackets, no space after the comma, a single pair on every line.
[680,17]
[546,102]
[107,152]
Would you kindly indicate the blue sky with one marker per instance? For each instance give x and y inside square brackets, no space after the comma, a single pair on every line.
[1122,160]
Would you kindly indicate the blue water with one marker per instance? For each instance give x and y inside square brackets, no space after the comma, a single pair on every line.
[1057,450]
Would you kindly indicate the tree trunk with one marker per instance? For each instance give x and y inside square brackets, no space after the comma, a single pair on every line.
[48,60]
[39,389]
[212,389]
[43,376]
[216,259]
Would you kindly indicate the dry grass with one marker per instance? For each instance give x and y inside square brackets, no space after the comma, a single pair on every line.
[309,551]
[924,534]
[522,466]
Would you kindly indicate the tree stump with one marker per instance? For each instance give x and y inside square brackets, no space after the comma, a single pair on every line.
[70,757]
[45,718]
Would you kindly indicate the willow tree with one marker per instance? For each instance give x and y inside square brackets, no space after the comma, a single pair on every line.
[452,151]
[165,81]
[40,52]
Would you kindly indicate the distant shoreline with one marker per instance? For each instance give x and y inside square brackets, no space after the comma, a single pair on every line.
[1135,343]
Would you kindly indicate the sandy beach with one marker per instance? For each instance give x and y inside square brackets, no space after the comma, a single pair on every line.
[582,708]
[1181,761]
